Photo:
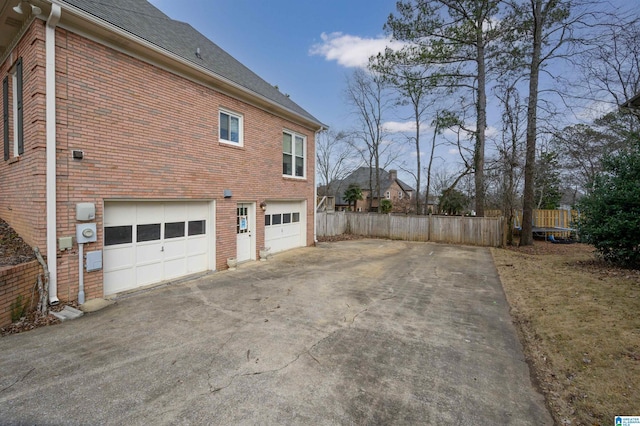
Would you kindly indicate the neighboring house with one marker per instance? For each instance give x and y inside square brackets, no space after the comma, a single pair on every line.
[391,188]
[187,156]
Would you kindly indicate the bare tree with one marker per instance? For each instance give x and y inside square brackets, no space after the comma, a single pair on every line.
[335,159]
[368,96]
[612,66]
[510,148]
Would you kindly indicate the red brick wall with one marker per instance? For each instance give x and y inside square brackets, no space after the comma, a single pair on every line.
[22,197]
[16,281]
[147,134]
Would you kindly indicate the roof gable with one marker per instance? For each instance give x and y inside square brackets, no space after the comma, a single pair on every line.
[142,19]
[360,177]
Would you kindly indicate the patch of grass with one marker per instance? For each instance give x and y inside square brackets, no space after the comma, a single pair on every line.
[18,308]
[579,321]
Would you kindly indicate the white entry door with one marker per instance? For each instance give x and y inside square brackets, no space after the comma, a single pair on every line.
[244,230]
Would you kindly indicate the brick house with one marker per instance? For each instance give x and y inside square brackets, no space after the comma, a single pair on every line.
[187,157]
[399,193]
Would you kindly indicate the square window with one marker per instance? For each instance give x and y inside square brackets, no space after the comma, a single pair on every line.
[114,235]
[197,227]
[174,230]
[149,232]
[230,128]
[276,219]
[286,218]
[296,217]
[293,154]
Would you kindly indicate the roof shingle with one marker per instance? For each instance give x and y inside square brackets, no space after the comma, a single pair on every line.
[142,19]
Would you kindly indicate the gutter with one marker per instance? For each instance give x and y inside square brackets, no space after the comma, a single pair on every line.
[52,254]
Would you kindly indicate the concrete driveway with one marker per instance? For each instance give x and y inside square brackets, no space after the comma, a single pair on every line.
[360,332]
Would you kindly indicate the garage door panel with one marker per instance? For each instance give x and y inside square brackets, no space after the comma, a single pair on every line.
[119,258]
[174,268]
[120,280]
[174,248]
[175,212]
[149,213]
[120,214]
[197,263]
[284,226]
[166,240]
[148,274]
[196,246]
[149,253]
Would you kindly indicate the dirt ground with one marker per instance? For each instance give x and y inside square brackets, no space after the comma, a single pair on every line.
[578,321]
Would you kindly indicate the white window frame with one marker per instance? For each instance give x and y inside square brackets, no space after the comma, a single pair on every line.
[295,155]
[387,195]
[14,108]
[240,119]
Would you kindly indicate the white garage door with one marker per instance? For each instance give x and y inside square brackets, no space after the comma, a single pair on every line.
[149,242]
[285,225]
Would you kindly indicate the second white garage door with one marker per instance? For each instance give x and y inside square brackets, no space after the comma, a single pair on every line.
[149,242]
[285,225]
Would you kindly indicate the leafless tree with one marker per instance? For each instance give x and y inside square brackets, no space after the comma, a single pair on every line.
[336,158]
[370,101]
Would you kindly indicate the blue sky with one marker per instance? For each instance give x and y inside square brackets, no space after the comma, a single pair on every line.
[276,39]
[308,48]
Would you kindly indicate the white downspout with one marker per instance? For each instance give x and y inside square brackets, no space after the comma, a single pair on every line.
[52,254]
[315,187]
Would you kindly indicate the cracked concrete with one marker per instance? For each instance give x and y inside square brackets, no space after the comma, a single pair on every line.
[358,332]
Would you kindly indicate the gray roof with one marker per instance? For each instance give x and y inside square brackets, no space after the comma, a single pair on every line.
[144,20]
[360,177]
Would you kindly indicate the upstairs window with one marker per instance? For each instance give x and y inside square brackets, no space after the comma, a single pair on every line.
[230,128]
[16,111]
[293,154]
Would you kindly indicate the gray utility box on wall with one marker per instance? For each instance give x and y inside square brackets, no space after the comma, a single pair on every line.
[85,211]
[94,260]
[86,233]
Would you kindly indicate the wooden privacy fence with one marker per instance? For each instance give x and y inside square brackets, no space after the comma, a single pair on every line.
[479,231]
[544,218]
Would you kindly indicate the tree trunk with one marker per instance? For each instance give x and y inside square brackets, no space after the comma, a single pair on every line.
[526,236]
[417,116]
[481,123]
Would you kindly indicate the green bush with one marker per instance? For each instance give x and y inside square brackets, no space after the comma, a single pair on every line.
[386,206]
[610,213]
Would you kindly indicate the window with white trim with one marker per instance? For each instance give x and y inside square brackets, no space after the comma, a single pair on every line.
[230,128]
[16,111]
[293,154]
[388,195]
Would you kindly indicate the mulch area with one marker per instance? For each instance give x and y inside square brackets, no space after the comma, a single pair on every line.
[14,251]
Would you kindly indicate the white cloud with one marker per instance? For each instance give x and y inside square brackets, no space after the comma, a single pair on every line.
[351,51]
[399,127]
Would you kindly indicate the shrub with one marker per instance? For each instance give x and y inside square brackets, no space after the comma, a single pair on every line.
[610,213]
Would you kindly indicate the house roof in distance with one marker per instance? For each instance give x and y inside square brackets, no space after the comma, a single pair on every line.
[142,19]
[360,177]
